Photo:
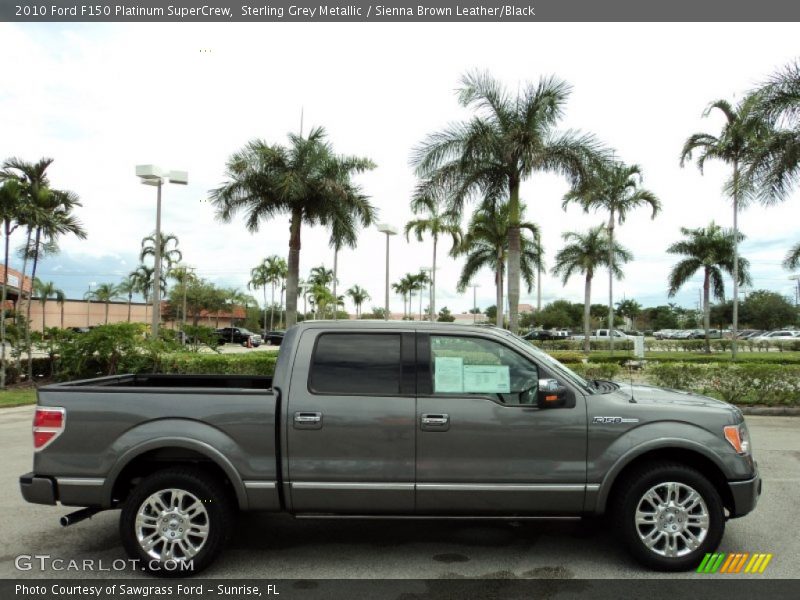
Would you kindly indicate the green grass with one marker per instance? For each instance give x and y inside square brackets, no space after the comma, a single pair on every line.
[17,397]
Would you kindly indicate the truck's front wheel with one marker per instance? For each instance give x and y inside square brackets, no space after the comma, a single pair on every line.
[176,521]
[669,515]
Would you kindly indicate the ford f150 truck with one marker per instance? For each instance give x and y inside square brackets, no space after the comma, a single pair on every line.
[394,420]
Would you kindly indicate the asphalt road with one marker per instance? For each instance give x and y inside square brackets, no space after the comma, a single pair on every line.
[280,547]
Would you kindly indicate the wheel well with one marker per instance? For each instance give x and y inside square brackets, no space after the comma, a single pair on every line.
[690,458]
[163,458]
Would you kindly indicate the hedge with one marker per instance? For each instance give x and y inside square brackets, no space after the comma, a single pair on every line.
[253,363]
[739,383]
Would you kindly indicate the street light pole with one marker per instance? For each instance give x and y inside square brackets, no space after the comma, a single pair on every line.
[389,231]
[475,287]
[153,175]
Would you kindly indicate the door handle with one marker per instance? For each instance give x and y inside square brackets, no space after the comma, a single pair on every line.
[308,420]
[436,420]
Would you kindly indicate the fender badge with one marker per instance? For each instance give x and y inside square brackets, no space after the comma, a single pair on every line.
[612,420]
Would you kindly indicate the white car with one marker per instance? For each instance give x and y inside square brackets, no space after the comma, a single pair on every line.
[782,335]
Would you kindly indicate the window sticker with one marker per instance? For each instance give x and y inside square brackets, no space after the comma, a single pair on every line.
[449,374]
[493,379]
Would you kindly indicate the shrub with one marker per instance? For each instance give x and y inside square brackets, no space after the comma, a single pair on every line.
[252,363]
[566,357]
[597,370]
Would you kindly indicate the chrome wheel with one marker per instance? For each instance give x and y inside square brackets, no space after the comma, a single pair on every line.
[172,524]
[672,519]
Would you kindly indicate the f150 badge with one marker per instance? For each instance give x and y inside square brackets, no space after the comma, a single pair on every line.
[613,420]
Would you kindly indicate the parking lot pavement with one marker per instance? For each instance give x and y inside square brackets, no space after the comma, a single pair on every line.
[281,547]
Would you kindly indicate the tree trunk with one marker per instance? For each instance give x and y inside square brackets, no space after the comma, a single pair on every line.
[130,299]
[264,290]
[587,318]
[272,308]
[611,282]
[335,273]
[280,307]
[62,314]
[707,307]
[21,298]
[7,232]
[513,256]
[106,313]
[433,281]
[294,268]
[28,311]
[735,325]
[498,280]
[44,315]
[539,287]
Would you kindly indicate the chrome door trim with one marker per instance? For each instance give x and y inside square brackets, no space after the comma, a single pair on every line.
[346,485]
[89,481]
[502,487]
[259,485]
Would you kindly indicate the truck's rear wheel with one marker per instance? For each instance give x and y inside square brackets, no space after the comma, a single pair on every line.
[669,516]
[176,522]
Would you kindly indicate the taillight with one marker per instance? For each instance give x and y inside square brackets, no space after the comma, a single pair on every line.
[48,423]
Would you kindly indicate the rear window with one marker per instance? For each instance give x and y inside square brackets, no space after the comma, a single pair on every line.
[356,363]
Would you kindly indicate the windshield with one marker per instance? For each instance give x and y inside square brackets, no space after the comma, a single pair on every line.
[546,358]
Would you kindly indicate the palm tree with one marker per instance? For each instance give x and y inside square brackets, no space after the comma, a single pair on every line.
[402,288]
[61,300]
[306,180]
[629,309]
[143,281]
[269,272]
[509,139]
[436,222]
[614,187]
[358,295]
[105,293]
[260,278]
[775,168]
[420,280]
[737,145]
[46,290]
[11,198]
[792,260]
[321,298]
[585,253]
[127,287]
[485,245]
[169,256]
[710,249]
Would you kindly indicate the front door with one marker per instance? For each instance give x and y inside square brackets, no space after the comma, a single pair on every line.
[350,429]
[483,445]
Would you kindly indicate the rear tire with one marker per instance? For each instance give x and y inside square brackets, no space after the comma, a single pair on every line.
[669,516]
[176,521]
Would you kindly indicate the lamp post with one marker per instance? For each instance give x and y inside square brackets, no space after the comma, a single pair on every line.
[475,286]
[153,175]
[89,301]
[796,279]
[389,231]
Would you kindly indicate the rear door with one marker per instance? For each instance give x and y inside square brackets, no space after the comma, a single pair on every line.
[484,446]
[351,423]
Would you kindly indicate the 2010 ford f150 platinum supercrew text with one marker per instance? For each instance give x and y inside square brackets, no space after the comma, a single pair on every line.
[392,419]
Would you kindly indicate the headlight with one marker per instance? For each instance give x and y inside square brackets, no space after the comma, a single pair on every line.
[738,437]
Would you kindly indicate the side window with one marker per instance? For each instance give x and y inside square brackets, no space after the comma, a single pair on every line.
[356,363]
[467,365]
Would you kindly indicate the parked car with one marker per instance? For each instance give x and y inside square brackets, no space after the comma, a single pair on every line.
[540,335]
[781,335]
[403,419]
[273,338]
[238,335]
[700,334]
[601,335]
[663,334]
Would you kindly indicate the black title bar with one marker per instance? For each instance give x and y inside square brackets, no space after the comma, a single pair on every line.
[412,11]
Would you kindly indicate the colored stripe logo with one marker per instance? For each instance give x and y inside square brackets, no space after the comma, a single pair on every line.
[734,562]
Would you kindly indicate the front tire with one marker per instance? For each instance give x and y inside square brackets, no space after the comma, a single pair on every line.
[669,516]
[176,522]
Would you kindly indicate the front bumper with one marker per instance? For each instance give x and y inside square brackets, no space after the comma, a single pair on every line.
[745,495]
[39,490]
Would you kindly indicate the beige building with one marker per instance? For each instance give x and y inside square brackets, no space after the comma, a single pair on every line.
[83,313]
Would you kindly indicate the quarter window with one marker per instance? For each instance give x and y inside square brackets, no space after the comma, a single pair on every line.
[354,363]
[465,365]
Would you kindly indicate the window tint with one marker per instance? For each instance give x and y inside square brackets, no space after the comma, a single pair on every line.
[465,365]
[356,363]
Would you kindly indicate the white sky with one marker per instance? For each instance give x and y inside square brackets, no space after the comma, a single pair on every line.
[103,98]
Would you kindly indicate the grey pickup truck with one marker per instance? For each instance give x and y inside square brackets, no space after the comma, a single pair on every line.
[391,420]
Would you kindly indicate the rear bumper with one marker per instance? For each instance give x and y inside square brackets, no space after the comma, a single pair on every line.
[745,495]
[39,490]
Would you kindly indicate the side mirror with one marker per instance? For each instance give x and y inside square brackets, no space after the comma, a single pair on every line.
[551,394]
